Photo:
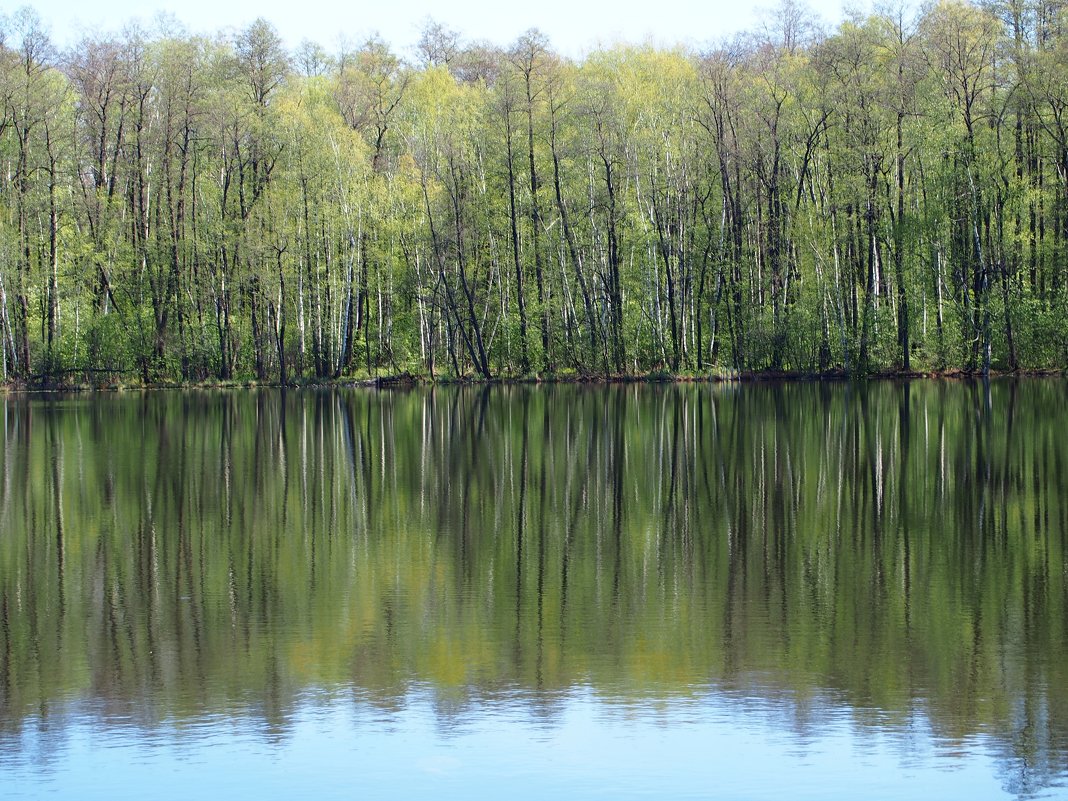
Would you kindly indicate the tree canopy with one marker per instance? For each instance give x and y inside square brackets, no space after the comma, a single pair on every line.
[892,194]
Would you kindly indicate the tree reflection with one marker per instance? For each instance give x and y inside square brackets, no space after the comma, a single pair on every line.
[889,547]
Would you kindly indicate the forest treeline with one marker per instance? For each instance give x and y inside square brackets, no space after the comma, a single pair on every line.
[892,194]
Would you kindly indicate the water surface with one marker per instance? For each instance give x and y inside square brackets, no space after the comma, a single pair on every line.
[639,591]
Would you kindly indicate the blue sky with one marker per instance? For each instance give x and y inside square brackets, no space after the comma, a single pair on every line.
[573,26]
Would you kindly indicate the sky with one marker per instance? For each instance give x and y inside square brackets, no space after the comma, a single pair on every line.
[574,27]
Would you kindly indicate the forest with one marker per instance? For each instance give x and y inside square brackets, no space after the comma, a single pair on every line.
[890,195]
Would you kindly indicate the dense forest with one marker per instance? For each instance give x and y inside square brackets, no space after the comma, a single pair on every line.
[888,195]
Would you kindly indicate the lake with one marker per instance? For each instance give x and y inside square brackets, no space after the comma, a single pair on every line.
[713,591]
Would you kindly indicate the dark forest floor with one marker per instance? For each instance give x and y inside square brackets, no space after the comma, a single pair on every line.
[403,380]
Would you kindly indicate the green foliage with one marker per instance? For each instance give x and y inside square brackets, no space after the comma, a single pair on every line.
[893,191]
[108,343]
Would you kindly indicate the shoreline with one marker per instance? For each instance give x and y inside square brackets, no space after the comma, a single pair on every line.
[410,380]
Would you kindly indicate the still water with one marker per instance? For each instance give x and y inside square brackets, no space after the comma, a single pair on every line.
[803,591]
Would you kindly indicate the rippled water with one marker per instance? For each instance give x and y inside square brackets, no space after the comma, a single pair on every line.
[762,591]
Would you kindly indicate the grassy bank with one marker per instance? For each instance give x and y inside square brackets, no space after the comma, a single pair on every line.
[405,380]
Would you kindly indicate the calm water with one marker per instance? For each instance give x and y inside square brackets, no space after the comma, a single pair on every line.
[681,591]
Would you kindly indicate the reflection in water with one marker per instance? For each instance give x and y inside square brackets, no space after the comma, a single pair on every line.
[896,551]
